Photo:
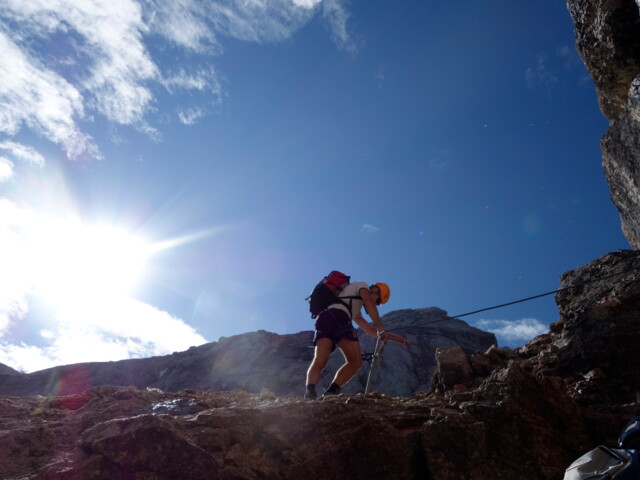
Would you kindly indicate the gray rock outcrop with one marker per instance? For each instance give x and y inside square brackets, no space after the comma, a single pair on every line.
[264,360]
[608,39]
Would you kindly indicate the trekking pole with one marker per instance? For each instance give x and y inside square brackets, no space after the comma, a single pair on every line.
[374,362]
[383,384]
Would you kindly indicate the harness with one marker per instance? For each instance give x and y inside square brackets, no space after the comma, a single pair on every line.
[349,305]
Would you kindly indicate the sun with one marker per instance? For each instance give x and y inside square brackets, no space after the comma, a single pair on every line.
[72,260]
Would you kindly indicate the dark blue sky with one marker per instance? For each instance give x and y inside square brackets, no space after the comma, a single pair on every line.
[448,149]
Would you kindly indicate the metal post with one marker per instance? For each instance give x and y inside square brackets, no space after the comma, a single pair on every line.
[374,362]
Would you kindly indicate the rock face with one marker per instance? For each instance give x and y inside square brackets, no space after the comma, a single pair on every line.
[608,39]
[523,413]
[573,387]
[621,162]
[594,313]
[258,360]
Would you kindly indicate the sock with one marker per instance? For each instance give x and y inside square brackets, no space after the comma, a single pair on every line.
[311,388]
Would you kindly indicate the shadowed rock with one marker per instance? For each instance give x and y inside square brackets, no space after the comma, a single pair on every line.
[608,39]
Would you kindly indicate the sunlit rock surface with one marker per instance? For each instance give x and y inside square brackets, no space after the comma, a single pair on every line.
[608,39]
[258,360]
[523,413]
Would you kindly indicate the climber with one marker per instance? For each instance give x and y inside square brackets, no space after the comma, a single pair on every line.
[334,328]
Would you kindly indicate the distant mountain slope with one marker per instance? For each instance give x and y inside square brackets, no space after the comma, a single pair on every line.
[263,360]
[7,370]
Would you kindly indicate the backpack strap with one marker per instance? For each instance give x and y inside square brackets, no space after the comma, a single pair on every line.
[350,304]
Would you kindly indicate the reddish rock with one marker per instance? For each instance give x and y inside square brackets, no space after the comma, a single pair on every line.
[453,369]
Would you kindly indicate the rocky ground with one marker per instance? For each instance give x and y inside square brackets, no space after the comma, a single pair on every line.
[524,413]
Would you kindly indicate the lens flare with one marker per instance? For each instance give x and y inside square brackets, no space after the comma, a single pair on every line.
[72,259]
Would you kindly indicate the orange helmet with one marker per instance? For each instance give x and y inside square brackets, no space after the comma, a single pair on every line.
[385,293]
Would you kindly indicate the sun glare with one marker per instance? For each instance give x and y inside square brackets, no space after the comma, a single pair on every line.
[80,261]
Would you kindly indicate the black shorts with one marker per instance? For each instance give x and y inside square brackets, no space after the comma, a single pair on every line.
[335,325]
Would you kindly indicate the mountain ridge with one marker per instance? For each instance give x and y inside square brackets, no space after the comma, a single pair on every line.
[260,360]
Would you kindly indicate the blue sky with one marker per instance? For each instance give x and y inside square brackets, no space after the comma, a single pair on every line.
[176,171]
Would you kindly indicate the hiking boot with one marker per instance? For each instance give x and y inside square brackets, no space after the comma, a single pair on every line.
[310,395]
[332,390]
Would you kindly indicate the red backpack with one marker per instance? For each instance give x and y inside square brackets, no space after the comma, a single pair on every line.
[326,292]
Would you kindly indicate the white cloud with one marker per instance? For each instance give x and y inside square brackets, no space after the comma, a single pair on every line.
[337,16]
[47,334]
[514,330]
[191,115]
[38,98]
[120,63]
[183,22]
[114,330]
[102,63]
[201,79]
[15,261]
[13,306]
[23,357]
[23,152]
[306,3]
[119,328]
[258,20]
[368,228]
[6,169]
